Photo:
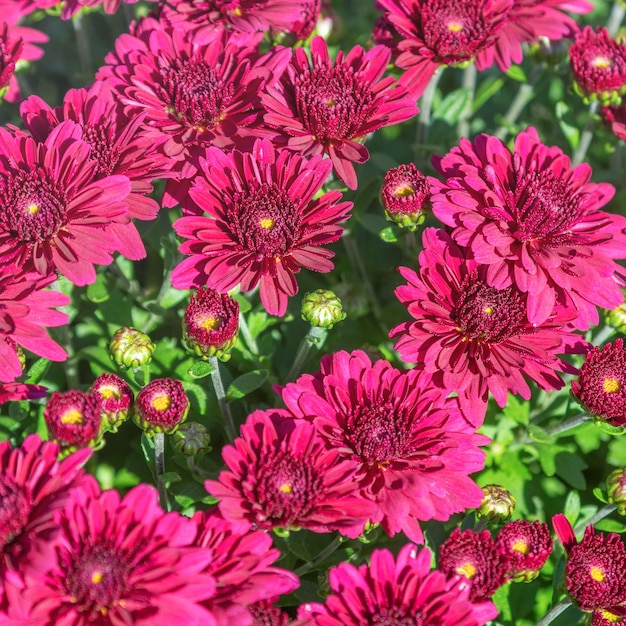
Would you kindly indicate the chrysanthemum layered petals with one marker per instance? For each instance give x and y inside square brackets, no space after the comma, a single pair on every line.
[415,79]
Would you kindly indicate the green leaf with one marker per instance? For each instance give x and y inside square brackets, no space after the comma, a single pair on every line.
[197,394]
[99,291]
[388,234]
[517,73]
[147,447]
[572,134]
[487,88]
[37,371]
[599,494]
[517,410]
[569,467]
[244,303]
[571,508]
[455,105]
[538,434]
[245,384]
[611,526]
[200,369]
[501,600]
[373,223]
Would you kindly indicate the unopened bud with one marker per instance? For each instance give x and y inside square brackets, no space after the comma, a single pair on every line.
[191,439]
[497,505]
[616,487]
[322,308]
[130,347]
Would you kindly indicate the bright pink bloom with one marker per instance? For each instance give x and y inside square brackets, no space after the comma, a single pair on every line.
[281,473]
[21,391]
[115,145]
[242,567]
[535,222]
[403,590]
[26,309]
[326,107]
[73,418]
[121,561]
[473,338]
[33,485]
[55,215]
[413,448]
[10,51]
[615,117]
[261,223]
[193,94]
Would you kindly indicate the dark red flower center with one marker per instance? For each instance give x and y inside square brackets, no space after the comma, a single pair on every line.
[455,30]
[16,503]
[103,150]
[288,488]
[97,580]
[484,313]
[197,95]
[544,206]
[333,102]
[395,616]
[265,221]
[33,207]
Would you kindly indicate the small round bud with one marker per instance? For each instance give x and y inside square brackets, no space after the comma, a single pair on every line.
[161,406]
[497,505]
[130,347]
[322,308]
[211,323]
[115,398]
[406,196]
[617,318]
[191,439]
[616,487]
[73,419]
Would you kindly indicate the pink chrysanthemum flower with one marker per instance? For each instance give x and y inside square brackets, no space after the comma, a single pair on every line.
[327,107]
[242,567]
[615,118]
[55,215]
[413,447]
[161,406]
[281,473]
[115,145]
[601,386]
[26,309]
[201,16]
[406,195]
[598,65]
[440,32]
[121,561]
[403,590]
[527,546]
[115,399]
[476,557]
[535,222]
[193,94]
[21,391]
[473,338]
[33,485]
[10,51]
[261,223]
[595,573]
[615,617]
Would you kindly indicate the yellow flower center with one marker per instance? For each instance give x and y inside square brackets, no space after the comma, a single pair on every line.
[210,323]
[611,385]
[488,310]
[520,546]
[455,27]
[602,63]
[285,488]
[597,574]
[161,403]
[33,209]
[267,223]
[468,570]
[97,577]
[404,192]
[110,392]
[73,416]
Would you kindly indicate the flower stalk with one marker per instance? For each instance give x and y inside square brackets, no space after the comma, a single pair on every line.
[218,385]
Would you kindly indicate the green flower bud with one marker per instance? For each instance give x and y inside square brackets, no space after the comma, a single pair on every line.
[130,347]
[322,308]
[191,439]
[497,505]
[616,487]
[617,318]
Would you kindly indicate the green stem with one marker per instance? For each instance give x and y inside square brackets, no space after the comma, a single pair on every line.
[159,469]
[615,18]
[602,335]
[71,365]
[315,337]
[82,43]
[227,416]
[424,117]
[606,510]
[554,612]
[561,427]
[249,340]
[321,557]
[586,136]
[469,84]
[481,525]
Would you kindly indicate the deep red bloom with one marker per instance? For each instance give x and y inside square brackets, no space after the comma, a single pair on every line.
[21,391]
[264,613]
[55,215]
[601,386]
[598,65]
[121,561]
[615,117]
[193,93]
[26,308]
[115,399]
[535,222]
[476,557]
[595,573]
[115,145]
[413,449]
[33,485]
[261,223]
[392,591]
[281,473]
[406,195]
[161,406]
[327,107]
[473,338]
[443,32]
[603,617]
[73,418]
[527,546]
[242,567]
